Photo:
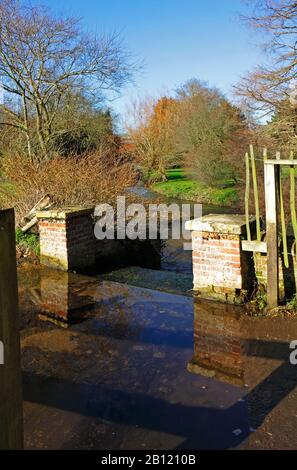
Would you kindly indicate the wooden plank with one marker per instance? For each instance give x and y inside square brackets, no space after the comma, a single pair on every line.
[247,196]
[292,198]
[256,195]
[282,216]
[254,245]
[271,180]
[265,154]
[11,417]
[280,162]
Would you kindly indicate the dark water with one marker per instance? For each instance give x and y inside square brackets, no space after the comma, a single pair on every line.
[109,365]
[117,374]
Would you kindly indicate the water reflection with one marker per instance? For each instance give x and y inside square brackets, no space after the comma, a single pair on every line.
[219,344]
[123,370]
[59,297]
[252,353]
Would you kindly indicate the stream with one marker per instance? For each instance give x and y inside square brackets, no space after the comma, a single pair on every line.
[175,271]
[129,360]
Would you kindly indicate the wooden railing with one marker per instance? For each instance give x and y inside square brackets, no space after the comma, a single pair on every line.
[274,213]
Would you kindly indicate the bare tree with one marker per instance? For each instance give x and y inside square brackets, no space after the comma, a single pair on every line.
[42,60]
[270,88]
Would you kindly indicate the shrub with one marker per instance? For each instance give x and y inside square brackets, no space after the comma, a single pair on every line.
[292,304]
[212,134]
[28,240]
[86,181]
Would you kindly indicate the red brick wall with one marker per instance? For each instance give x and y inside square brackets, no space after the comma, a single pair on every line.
[67,244]
[217,260]
[80,241]
[53,243]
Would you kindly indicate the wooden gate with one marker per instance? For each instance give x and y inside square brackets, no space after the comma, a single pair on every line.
[274,216]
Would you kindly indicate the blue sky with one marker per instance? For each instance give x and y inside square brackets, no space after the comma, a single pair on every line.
[175,39]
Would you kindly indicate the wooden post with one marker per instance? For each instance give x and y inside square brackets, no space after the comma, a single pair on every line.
[11,416]
[247,196]
[256,194]
[271,180]
[282,214]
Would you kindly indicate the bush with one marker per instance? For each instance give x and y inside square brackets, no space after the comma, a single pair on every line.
[212,134]
[28,240]
[86,181]
[150,177]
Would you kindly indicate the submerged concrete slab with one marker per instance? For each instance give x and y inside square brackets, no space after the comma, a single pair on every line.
[220,223]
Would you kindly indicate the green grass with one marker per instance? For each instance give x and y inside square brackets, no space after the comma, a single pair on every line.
[179,186]
[176,174]
[28,240]
[285,171]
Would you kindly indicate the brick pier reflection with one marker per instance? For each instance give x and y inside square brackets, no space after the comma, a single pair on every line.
[219,345]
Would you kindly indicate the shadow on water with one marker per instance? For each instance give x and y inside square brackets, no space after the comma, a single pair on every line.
[201,427]
[124,367]
[225,350]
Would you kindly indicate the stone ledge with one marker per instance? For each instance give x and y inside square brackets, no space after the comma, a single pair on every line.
[220,223]
[64,213]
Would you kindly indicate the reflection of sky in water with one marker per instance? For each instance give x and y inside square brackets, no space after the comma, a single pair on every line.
[123,371]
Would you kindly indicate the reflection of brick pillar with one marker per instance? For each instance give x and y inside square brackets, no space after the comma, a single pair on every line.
[54,291]
[66,238]
[218,344]
[64,295]
[221,269]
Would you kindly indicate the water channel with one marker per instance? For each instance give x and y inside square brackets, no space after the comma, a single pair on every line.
[129,360]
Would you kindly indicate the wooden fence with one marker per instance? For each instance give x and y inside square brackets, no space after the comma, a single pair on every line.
[275,218]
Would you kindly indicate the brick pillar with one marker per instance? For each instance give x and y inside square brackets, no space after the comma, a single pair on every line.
[66,238]
[222,271]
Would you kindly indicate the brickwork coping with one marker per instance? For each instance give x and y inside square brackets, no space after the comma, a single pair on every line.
[64,213]
[220,223]
[222,271]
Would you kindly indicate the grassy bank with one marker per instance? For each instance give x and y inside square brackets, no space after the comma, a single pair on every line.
[179,186]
